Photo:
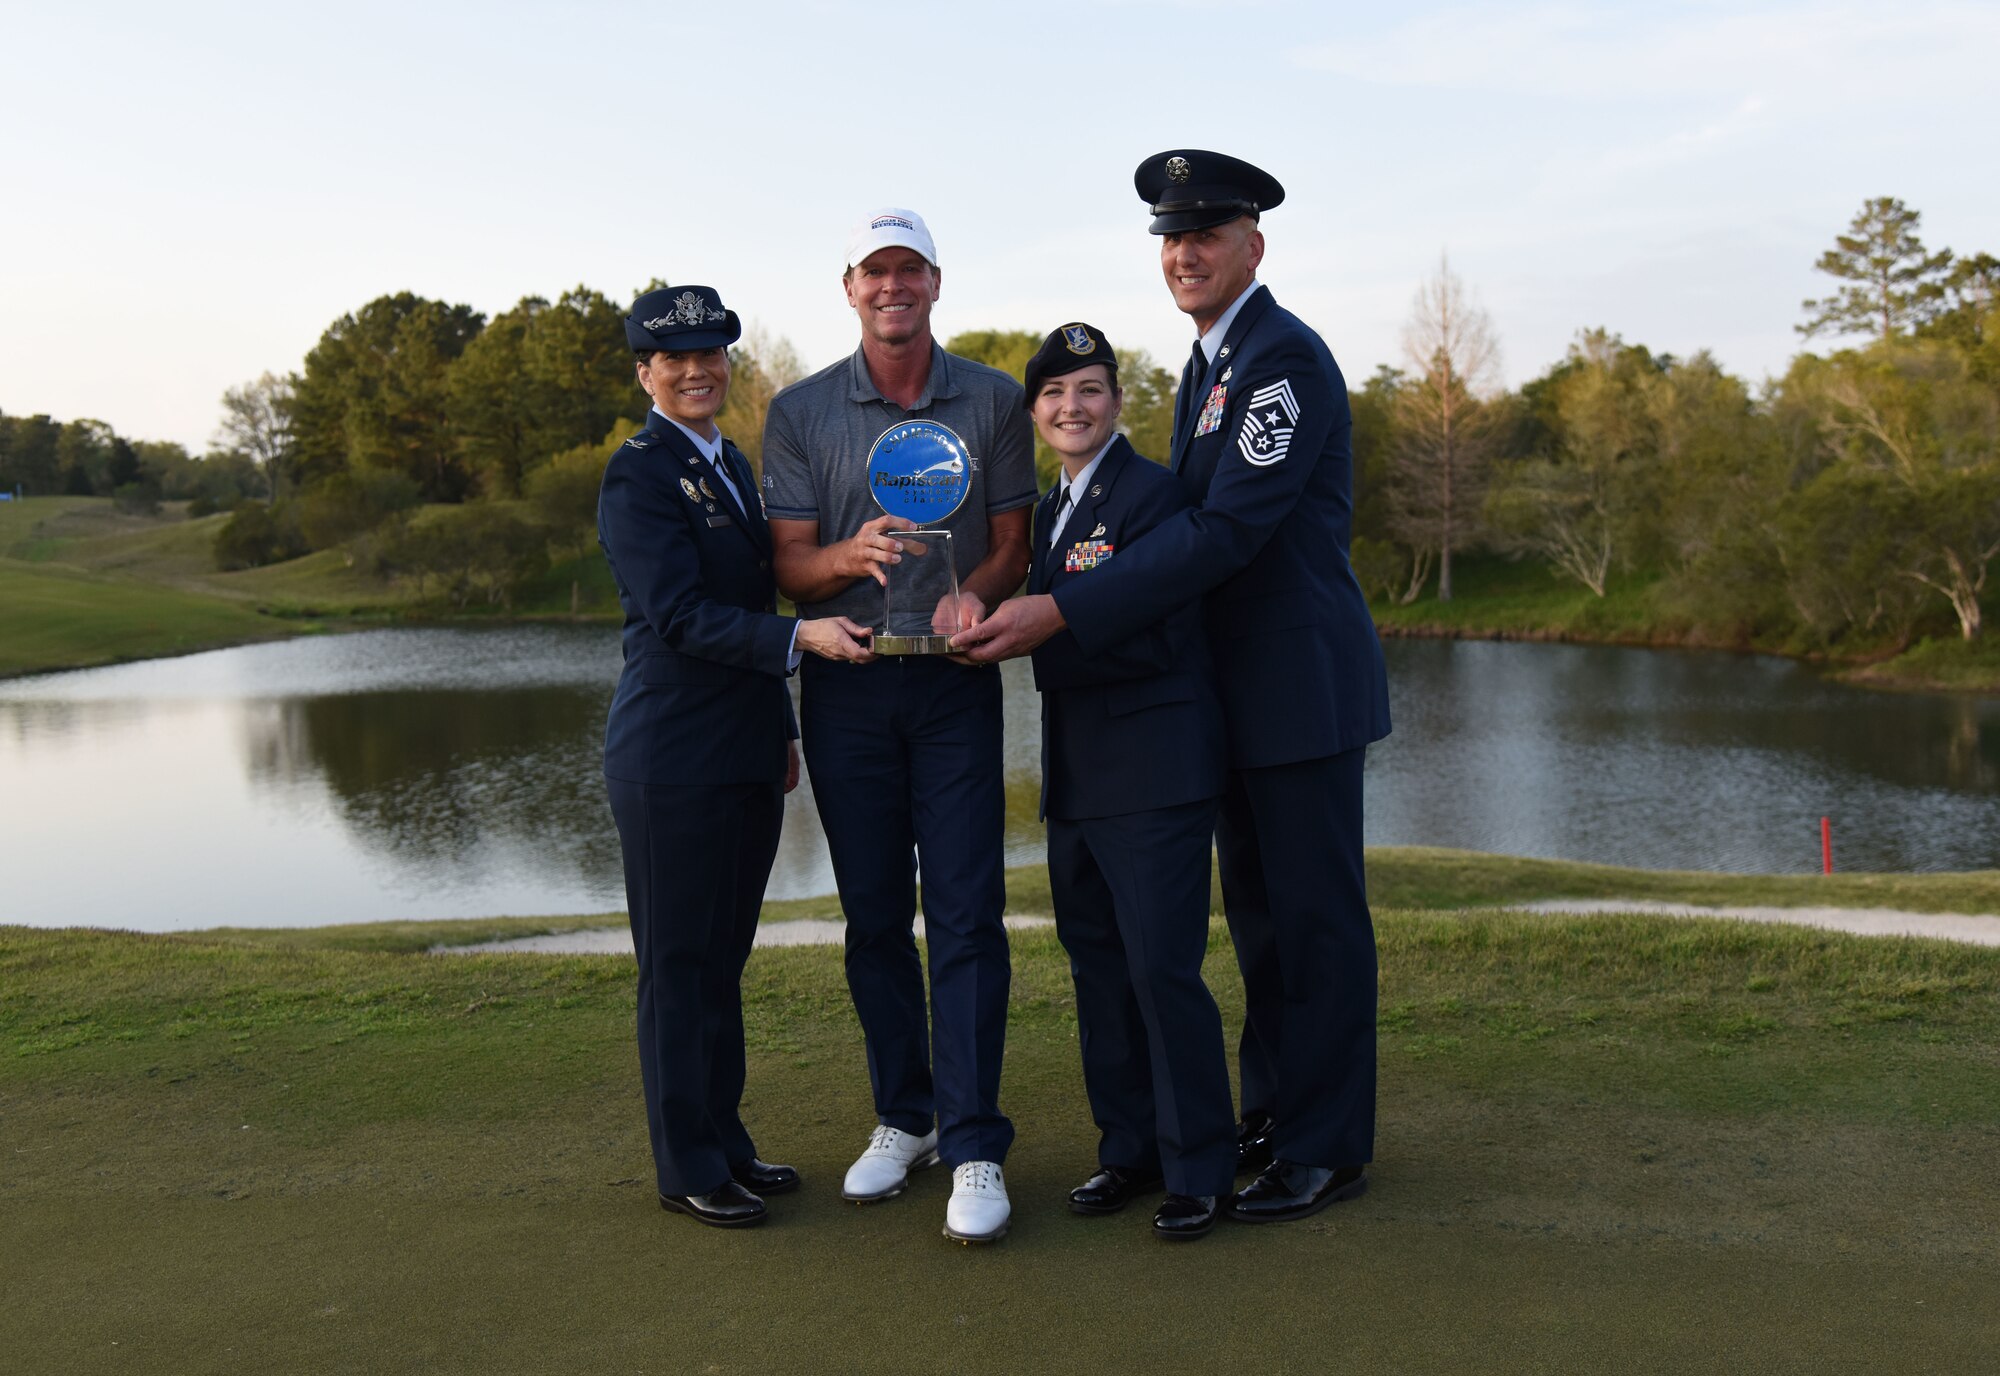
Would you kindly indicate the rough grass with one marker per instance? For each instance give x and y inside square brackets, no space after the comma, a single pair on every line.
[1517,600]
[1606,1145]
[1496,598]
[1948,664]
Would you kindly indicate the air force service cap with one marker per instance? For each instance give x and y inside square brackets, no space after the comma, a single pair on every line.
[1190,188]
[681,320]
[1068,349]
[890,227]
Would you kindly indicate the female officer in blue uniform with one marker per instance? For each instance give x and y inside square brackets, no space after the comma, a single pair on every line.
[698,749]
[1132,746]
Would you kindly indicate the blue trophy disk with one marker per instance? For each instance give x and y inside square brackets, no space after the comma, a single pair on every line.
[919,470]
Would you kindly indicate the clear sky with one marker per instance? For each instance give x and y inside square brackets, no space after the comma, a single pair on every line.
[194,192]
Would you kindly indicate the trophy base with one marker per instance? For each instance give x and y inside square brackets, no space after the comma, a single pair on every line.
[911,644]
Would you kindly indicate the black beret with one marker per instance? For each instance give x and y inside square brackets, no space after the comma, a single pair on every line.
[1067,349]
[680,320]
[1190,188]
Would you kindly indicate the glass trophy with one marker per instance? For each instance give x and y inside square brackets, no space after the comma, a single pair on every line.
[920,604]
[921,471]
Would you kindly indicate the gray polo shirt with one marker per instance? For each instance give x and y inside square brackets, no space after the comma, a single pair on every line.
[818,432]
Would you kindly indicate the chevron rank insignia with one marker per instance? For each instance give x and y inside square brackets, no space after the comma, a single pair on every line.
[1268,424]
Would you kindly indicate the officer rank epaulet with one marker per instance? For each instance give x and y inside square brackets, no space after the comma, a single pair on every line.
[645,439]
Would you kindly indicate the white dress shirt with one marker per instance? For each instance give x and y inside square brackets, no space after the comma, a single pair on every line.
[1077,487]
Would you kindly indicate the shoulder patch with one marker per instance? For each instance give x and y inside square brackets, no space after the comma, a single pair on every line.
[1268,423]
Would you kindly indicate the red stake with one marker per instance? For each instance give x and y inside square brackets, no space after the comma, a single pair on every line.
[1826,845]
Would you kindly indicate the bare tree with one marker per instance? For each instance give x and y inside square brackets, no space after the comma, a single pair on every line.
[1443,424]
[1560,512]
[257,421]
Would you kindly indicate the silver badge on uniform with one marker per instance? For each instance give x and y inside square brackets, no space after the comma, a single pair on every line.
[688,487]
[1099,531]
[706,490]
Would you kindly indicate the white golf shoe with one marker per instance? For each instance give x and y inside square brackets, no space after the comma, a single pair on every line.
[978,1209]
[884,1169]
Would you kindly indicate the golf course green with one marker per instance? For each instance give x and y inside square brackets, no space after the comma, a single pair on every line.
[1618,1144]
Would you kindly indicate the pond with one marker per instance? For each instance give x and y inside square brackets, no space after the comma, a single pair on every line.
[423,773]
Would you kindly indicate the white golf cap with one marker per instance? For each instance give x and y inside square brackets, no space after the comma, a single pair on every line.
[890,228]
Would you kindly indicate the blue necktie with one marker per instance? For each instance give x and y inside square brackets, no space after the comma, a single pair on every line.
[1191,376]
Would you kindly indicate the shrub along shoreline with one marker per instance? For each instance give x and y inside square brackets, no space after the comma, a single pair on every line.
[84,584]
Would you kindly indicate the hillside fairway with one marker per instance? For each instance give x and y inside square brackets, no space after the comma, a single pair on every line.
[1607,1144]
[65,618]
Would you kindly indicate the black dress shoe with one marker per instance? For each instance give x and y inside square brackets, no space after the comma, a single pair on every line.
[761,1177]
[1185,1216]
[1288,1190]
[1253,1142]
[728,1205]
[1111,1189]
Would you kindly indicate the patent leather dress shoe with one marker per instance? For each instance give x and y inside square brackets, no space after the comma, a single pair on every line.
[1253,1142]
[1184,1217]
[762,1178]
[1288,1190]
[728,1205]
[1111,1189]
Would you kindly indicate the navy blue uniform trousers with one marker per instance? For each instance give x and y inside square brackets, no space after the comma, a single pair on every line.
[904,754]
[1289,846]
[696,858]
[1131,900]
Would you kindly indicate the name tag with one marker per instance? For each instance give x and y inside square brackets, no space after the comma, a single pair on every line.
[715,521]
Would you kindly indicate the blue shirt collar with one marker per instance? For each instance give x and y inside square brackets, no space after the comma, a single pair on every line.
[1212,337]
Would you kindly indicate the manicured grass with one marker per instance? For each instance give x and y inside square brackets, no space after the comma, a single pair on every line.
[1606,1144]
[82,584]
[1432,877]
[54,617]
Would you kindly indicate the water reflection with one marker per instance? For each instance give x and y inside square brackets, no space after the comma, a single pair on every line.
[1675,759]
[455,772]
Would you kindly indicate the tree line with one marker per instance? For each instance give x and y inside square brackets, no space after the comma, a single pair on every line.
[1855,499]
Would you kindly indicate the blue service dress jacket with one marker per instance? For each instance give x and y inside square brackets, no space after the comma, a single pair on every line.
[702,699]
[1135,725]
[1266,451]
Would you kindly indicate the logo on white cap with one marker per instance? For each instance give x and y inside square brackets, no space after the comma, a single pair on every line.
[891,227]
